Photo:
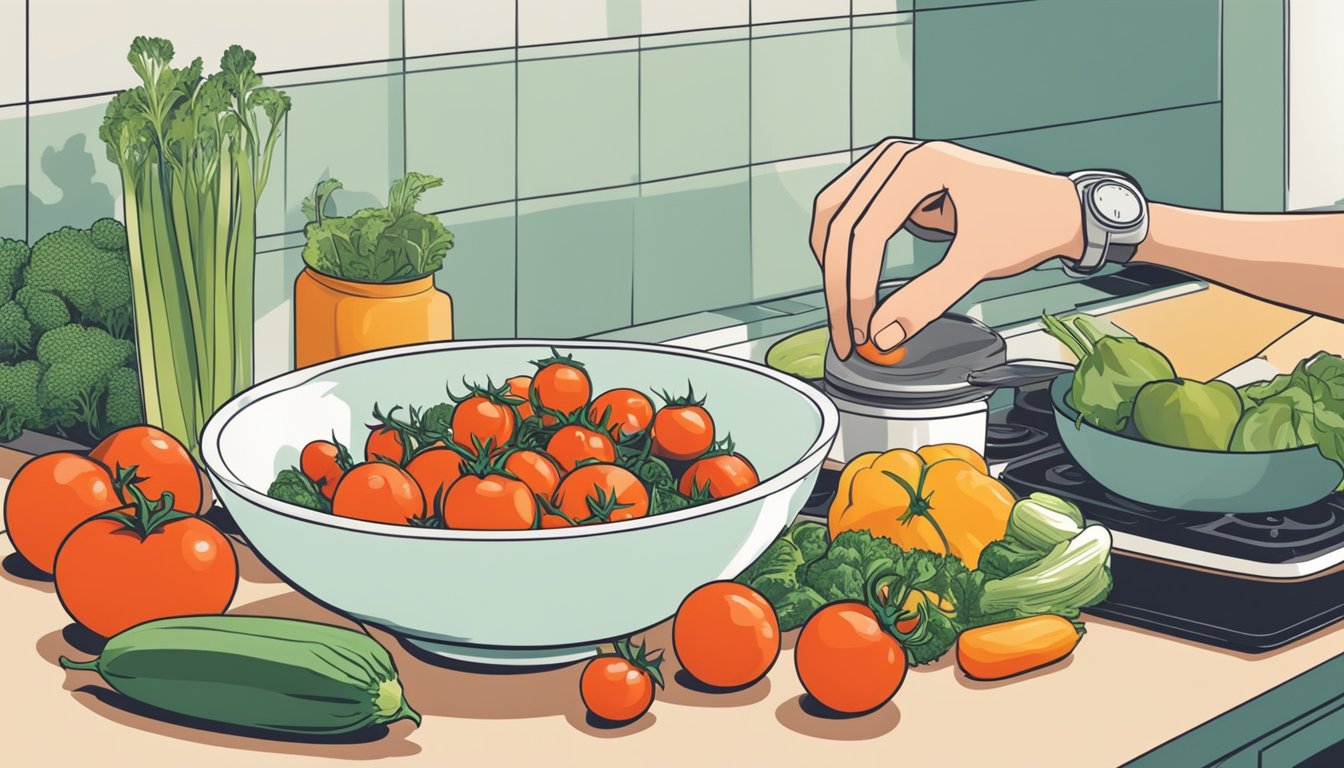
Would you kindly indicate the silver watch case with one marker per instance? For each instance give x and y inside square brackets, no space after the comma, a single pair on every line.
[1111,232]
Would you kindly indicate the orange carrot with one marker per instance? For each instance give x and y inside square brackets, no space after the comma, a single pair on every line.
[997,651]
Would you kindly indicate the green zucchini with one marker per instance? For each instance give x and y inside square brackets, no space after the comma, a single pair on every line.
[271,674]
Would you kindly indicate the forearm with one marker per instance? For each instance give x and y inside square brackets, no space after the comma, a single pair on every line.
[1291,259]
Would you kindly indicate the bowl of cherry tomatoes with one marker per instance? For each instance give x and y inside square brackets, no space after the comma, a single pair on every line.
[516,502]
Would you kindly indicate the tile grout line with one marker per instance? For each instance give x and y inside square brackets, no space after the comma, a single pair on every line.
[27,118]
[517,90]
[751,176]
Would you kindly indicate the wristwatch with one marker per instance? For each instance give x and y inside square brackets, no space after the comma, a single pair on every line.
[1115,219]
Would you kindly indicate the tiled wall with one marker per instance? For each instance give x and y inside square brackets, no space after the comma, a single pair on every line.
[615,162]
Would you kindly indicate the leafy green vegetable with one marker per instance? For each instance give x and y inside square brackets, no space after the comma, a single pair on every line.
[1072,575]
[1276,423]
[801,571]
[376,245]
[1111,369]
[666,500]
[293,486]
[1041,521]
[1305,407]
[1188,414]
[195,155]
[1001,559]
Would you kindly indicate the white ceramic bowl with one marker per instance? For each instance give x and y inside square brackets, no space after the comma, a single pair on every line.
[512,597]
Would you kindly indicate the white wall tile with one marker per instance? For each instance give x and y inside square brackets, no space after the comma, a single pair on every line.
[680,15]
[766,11]
[11,51]
[89,55]
[1315,103]
[434,27]
[564,21]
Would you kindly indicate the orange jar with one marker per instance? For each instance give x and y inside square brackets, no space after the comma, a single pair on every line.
[334,317]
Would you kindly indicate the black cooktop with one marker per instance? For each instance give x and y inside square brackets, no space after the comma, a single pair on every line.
[1220,608]
[1283,537]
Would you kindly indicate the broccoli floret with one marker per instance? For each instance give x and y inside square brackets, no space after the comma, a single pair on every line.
[293,486]
[16,333]
[94,281]
[108,235]
[13,258]
[438,419]
[45,310]
[19,405]
[79,361]
[123,400]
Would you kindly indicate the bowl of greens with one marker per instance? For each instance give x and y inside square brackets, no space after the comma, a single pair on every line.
[1149,435]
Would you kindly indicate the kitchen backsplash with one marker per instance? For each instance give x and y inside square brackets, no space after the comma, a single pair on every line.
[617,162]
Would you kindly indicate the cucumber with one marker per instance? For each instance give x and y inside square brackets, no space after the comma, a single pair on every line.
[278,675]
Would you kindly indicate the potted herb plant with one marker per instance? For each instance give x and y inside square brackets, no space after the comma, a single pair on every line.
[368,280]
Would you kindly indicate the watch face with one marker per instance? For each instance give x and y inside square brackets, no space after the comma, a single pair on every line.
[1116,204]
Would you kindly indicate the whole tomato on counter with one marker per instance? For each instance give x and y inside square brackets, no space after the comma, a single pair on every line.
[120,569]
[158,458]
[726,635]
[49,497]
[847,661]
[618,687]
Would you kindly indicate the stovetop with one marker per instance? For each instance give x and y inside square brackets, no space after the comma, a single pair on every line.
[1245,582]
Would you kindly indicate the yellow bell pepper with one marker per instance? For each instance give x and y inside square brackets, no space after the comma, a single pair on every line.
[939,498]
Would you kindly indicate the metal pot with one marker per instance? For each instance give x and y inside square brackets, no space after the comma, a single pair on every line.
[937,393]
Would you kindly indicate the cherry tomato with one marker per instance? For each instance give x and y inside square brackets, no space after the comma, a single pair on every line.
[490,503]
[555,521]
[159,458]
[605,491]
[846,661]
[629,411]
[869,351]
[435,471]
[318,461]
[481,419]
[682,432]
[572,444]
[110,579]
[560,385]
[535,470]
[384,443]
[48,498]
[519,387]
[719,476]
[618,687]
[726,635]
[378,492]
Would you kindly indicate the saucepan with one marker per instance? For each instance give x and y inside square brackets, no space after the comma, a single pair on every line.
[938,392]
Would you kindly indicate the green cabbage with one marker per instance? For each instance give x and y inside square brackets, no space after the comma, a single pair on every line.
[1112,368]
[1188,414]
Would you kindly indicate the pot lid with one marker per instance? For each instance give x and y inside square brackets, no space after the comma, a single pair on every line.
[936,369]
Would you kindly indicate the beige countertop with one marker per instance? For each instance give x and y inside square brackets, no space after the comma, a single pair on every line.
[1123,692]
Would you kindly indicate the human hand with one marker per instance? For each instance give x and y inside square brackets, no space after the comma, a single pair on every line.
[1005,218]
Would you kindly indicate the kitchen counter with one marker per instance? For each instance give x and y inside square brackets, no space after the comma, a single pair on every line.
[1122,694]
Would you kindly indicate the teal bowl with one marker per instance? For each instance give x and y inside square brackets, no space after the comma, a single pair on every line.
[512,597]
[1194,480]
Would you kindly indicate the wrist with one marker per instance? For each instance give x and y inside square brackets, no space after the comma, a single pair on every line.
[1072,240]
